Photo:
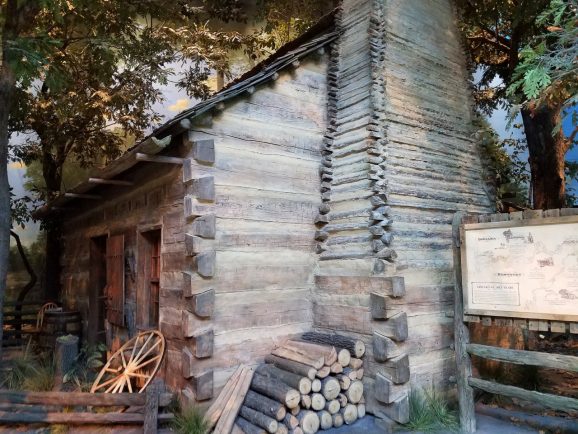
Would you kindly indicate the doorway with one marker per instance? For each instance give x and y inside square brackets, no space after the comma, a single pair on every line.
[148,291]
[97,296]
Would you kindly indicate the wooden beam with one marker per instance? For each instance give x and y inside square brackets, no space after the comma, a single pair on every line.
[109,181]
[158,158]
[397,369]
[383,347]
[462,337]
[83,418]
[71,398]
[204,188]
[398,410]
[386,391]
[203,384]
[206,263]
[151,409]
[395,327]
[204,303]
[82,196]
[378,305]
[520,357]
[193,244]
[551,401]
[204,342]
[204,151]
[204,226]
[187,363]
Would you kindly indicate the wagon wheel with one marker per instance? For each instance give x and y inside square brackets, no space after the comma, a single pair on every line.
[133,366]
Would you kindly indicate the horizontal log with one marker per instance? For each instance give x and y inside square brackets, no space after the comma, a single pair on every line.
[318,401]
[354,346]
[383,347]
[393,286]
[277,390]
[313,361]
[301,383]
[520,357]
[397,369]
[544,399]
[204,151]
[325,419]
[265,405]
[398,410]
[158,158]
[247,427]
[395,327]
[292,366]
[259,419]
[308,422]
[203,385]
[204,226]
[72,398]
[102,181]
[78,418]
[326,351]
[386,391]
[323,372]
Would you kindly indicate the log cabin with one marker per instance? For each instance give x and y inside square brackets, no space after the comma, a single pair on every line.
[315,192]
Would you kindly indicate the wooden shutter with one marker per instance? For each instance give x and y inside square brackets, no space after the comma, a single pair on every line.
[115,279]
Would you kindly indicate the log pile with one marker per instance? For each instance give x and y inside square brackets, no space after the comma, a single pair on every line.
[306,385]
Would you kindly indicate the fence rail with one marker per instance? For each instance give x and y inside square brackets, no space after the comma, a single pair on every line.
[18,314]
[48,407]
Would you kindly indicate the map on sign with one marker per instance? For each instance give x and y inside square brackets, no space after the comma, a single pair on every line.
[528,271]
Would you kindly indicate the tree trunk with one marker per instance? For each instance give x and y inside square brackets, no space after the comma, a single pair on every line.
[6,93]
[24,291]
[7,82]
[52,173]
[546,157]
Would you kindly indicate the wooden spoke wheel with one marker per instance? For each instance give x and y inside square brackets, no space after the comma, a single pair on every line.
[133,366]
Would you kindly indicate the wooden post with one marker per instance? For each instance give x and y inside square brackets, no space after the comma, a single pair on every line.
[462,338]
[151,409]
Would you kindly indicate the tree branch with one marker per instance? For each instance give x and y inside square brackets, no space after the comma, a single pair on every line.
[503,48]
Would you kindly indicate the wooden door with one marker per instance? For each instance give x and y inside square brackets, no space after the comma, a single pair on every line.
[97,298]
[115,279]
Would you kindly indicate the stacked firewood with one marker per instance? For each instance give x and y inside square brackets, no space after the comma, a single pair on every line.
[305,385]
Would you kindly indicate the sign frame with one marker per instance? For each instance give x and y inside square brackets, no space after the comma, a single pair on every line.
[543,221]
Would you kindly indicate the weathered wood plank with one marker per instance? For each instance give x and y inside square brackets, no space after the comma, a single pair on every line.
[71,398]
[550,401]
[462,338]
[520,357]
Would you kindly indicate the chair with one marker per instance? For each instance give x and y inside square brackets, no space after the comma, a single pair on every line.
[34,331]
[40,316]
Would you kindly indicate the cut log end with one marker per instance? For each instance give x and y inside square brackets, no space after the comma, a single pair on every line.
[309,422]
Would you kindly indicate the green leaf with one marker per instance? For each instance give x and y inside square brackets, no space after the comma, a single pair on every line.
[534,81]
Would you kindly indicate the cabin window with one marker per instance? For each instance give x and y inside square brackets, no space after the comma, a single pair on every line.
[149,288]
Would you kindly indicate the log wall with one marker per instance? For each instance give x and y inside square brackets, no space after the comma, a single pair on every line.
[237,219]
[434,169]
[402,161]
[155,203]
[266,182]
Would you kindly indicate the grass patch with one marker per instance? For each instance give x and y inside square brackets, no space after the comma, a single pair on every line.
[190,421]
[41,378]
[429,412]
[20,368]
